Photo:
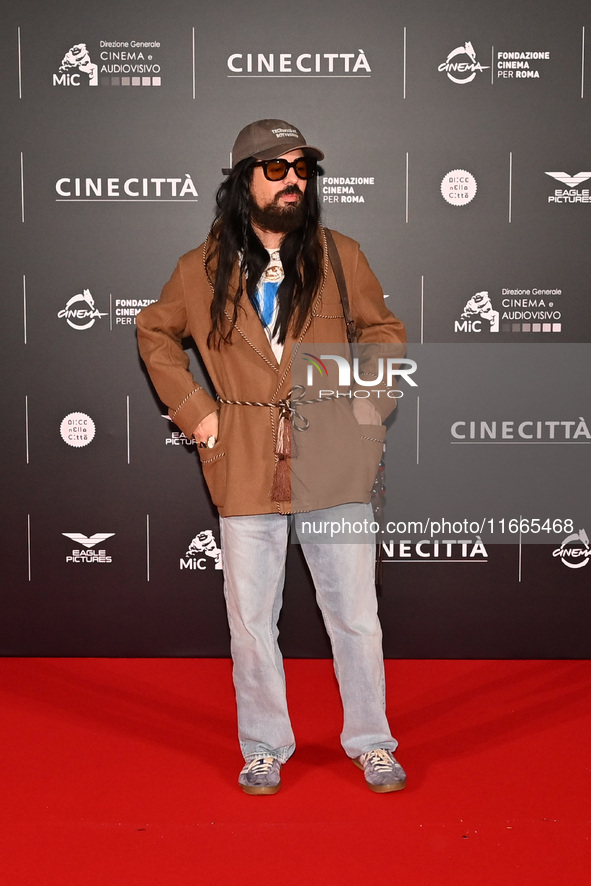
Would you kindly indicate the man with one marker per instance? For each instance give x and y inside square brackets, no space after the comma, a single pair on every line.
[260,290]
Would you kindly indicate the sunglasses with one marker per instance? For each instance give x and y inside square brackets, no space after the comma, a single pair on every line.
[276,170]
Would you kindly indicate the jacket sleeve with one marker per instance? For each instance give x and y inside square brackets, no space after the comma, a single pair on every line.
[160,329]
[380,334]
[374,322]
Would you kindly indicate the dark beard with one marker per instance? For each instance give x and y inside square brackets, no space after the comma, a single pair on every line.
[279,219]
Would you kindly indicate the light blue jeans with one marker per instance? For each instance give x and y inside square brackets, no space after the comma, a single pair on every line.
[254,550]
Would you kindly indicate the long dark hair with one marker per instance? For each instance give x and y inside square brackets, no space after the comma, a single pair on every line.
[232,238]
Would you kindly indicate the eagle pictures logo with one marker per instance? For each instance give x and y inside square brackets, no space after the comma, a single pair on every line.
[87,554]
[572,193]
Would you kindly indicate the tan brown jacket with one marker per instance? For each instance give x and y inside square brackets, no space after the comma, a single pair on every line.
[239,469]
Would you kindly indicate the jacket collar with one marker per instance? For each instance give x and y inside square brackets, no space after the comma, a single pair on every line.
[248,323]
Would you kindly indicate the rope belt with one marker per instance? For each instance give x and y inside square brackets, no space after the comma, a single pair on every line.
[285,447]
[288,406]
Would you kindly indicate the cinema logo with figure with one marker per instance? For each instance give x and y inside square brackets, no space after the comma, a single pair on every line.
[80,311]
[77,68]
[110,63]
[515,310]
[202,552]
[461,65]
[478,315]
[574,551]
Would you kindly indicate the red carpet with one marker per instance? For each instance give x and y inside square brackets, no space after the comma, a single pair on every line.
[124,772]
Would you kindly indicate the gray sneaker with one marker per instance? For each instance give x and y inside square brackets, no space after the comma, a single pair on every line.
[382,772]
[260,775]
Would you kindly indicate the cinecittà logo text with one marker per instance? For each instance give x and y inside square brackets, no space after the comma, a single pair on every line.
[433,549]
[286,64]
[165,189]
[529,431]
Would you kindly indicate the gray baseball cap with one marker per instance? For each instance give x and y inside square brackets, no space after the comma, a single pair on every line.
[267,139]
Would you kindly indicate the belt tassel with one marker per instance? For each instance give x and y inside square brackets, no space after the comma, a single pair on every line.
[285,450]
[285,446]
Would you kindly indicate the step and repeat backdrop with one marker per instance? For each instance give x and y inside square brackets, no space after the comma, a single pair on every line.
[457,139]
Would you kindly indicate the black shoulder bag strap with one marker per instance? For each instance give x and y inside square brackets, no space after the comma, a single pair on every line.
[379,488]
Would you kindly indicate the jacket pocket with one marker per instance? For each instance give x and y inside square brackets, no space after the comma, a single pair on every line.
[214,464]
[372,447]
